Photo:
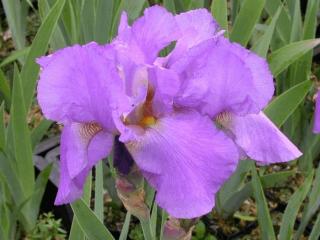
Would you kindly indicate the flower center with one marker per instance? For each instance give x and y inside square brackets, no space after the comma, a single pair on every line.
[148,121]
[223,119]
[88,130]
[148,117]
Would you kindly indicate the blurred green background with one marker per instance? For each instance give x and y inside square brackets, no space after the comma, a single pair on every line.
[275,202]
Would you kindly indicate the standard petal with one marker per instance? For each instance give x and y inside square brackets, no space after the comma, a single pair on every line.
[187,160]
[221,76]
[195,26]
[148,35]
[165,84]
[76,85]
[79,153]
[262,140]
[316,126]
[123,24]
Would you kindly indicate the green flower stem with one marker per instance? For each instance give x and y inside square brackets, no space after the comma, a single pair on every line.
[146,228]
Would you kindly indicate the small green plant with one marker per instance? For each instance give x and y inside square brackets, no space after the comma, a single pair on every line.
[136,233]
[200,232]
[47,228]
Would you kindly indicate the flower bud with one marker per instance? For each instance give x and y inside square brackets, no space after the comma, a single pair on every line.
[130,191]
[176,230]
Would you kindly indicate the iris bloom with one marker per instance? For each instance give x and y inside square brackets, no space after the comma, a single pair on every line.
[186,118]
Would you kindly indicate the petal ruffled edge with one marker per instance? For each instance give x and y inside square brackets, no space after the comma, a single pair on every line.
[195,27]
[148,34]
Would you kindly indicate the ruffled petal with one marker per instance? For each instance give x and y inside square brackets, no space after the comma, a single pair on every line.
[195,26]
[221,76]
[79,153]
[123,24]
[187,160]
[76,85]
[165,84]
[316,126]
[148,35]
[262,140]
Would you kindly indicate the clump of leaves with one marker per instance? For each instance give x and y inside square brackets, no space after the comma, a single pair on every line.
[47,228]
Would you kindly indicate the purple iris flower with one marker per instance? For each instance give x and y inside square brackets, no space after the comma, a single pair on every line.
[316,127]
[186,118]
